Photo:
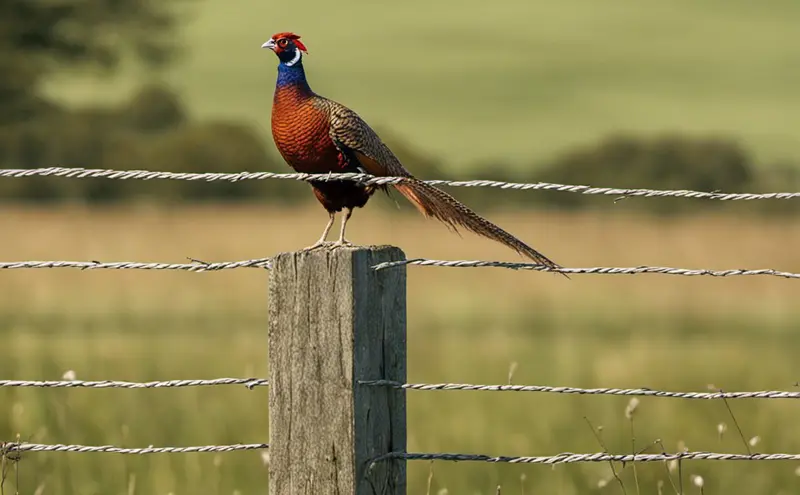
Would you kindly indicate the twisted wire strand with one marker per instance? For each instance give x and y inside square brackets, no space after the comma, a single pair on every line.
[597,270]
[247,382]
[569,458]
[196,266]
[367,179]
[266,263]
[262,382]
[13,448]
[643,392]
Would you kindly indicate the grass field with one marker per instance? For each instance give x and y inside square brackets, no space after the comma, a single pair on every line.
[515,81]
[465,325]
[512,80]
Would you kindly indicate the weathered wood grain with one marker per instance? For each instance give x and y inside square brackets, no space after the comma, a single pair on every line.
[333,321]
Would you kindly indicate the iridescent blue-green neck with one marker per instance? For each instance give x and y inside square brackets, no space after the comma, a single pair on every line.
[292,75]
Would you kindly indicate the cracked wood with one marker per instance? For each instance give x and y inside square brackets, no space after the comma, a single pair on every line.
[334,321]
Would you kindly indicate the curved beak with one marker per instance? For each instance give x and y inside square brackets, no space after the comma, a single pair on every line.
[269,44]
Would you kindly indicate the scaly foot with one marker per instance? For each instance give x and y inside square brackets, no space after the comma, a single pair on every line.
[319,244]
[342,243]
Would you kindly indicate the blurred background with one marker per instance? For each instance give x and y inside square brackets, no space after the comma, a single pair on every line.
[694,95]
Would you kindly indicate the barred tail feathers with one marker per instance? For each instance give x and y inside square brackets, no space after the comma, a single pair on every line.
[434,202]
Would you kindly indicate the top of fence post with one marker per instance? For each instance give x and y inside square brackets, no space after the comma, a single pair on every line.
[334,321]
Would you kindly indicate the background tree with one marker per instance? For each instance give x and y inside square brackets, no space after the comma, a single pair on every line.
[39,37]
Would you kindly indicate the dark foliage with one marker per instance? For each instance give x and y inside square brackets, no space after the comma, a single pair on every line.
[38,38]
[663,162]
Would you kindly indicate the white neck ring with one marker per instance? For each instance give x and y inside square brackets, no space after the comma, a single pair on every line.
[296,58]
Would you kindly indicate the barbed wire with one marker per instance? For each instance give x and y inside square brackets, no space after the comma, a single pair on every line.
[12,448]
[202,266]
[367,179]
[195,266]
[597,270]
[247,382]
[569,458]
[263,382]
[645,392]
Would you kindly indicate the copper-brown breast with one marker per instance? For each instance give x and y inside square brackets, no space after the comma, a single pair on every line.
[300,129]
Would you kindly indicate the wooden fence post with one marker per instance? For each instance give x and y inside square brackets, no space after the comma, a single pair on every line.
[334,321]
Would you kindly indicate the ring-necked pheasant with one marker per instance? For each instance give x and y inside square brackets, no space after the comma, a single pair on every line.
[316,135]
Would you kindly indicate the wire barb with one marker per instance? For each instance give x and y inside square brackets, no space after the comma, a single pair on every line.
[643,392]
[367,179]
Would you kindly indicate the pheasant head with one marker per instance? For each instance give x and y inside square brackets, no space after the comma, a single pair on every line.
[287,46]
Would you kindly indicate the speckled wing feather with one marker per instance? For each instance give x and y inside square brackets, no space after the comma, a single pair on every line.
[350,130]
[352,135]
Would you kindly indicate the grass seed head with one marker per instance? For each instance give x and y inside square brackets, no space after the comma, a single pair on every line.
[672,465]
[721,429]
[631,409]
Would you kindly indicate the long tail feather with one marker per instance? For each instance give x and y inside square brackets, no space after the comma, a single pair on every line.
[436,203]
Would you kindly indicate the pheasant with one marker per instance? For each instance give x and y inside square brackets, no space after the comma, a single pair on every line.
[315,135]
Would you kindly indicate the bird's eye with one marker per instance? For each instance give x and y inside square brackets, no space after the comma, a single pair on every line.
[283,42]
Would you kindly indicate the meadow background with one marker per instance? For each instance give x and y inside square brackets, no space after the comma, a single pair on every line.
[704,94]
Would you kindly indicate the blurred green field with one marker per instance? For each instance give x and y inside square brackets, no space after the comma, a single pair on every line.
[512,82]
[465,325]
[515,81]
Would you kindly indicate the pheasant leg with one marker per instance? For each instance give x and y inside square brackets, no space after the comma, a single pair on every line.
[322,242]
[342,241]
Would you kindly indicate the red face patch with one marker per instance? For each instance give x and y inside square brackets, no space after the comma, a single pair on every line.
[289,36]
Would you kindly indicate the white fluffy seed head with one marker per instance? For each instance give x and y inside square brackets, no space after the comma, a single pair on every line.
[672,465]
[631,409]
[69,375]
[603,483]
[511,369]
[697,481]
[754,441]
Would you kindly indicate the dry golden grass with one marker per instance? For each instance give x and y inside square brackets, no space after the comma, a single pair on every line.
[465,325]
[216,233]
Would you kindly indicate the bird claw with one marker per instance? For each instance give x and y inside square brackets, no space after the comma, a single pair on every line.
[328,245]
[319,244]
